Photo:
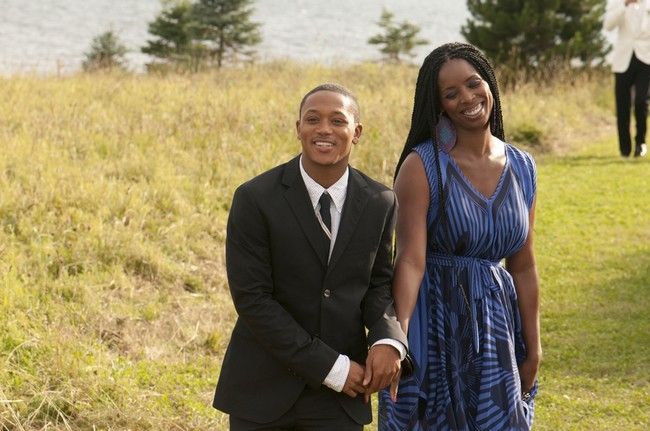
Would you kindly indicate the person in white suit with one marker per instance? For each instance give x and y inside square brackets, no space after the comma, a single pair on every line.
[631,67]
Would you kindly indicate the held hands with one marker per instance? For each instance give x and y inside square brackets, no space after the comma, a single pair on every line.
[382,369]
[354,383]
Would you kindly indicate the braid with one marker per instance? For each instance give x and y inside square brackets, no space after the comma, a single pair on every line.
[427,106]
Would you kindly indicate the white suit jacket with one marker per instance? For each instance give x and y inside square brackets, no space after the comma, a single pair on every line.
[633,25]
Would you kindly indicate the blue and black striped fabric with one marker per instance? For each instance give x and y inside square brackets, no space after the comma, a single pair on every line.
[465,333]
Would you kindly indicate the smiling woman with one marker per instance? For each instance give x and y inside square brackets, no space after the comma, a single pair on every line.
[465,204]
[466,99]
[464,91]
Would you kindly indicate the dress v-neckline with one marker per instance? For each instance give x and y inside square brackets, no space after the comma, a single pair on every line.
[471,186]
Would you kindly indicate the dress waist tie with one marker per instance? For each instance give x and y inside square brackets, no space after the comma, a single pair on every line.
[476,268]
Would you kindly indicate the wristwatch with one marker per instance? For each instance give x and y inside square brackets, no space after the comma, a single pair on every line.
[407,366]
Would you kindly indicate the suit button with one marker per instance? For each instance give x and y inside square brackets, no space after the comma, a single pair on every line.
[326,293]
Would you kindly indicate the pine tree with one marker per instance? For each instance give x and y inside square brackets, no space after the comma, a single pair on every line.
[397,38]
[224,28]
[172,30]
[534,34]
[106,52]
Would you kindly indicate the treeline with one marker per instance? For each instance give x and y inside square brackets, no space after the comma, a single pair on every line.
[537,39]
[188,35]
[527,39]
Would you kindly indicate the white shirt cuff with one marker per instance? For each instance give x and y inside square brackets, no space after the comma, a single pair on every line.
[396,344]
[338,374]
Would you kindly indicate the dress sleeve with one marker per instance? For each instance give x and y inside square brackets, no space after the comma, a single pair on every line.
[426,152]
[532,171]
[526,171]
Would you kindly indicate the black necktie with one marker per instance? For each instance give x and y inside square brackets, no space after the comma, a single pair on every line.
[325,201]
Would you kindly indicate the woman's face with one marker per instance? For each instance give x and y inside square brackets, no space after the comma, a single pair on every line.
[464,95]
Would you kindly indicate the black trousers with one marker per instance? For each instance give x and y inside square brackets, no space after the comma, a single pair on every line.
[637,77]
[315,410]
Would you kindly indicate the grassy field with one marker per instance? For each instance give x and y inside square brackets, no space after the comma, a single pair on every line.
[114,192]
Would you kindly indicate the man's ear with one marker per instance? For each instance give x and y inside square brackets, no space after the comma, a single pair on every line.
[357,133]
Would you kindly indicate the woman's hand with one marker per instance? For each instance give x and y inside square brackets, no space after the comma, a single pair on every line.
[394,385]
[528,373]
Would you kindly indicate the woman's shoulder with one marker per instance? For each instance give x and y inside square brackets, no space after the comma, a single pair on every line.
[424,147]
[427,149]
[523,165]
[519,156]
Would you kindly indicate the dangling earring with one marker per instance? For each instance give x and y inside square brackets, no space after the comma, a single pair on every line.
[445,133]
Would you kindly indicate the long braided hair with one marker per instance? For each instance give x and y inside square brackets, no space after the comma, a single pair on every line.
[427,106]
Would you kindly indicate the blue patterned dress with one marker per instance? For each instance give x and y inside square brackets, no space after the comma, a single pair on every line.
[465,333]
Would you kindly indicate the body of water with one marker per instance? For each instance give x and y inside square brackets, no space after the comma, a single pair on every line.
[51,36]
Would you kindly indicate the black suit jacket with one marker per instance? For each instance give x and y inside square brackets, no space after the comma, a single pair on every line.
[296,311]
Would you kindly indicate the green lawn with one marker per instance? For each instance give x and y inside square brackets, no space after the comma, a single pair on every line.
[593,248]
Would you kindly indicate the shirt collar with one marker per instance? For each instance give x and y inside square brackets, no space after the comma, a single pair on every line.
[337,191]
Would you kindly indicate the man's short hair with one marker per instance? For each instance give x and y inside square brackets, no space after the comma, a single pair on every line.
[335,88]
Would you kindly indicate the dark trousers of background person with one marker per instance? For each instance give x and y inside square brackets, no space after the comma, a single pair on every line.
[315,410]
[636,76]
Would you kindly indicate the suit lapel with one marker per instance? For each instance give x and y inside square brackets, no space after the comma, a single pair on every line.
[298,199]
[355,201]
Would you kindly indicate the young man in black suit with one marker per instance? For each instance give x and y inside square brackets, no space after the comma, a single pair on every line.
[309,262]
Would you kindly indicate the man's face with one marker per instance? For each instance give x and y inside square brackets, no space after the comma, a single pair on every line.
[327,130]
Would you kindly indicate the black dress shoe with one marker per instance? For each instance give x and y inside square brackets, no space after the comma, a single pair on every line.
[641,150]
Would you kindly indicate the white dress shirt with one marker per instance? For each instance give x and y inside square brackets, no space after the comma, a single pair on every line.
[633,25]
[337,376]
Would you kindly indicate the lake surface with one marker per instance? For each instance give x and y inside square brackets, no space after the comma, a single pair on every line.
[51,36]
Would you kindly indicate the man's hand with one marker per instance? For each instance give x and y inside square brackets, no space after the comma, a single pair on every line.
[382,367]
[354,383]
